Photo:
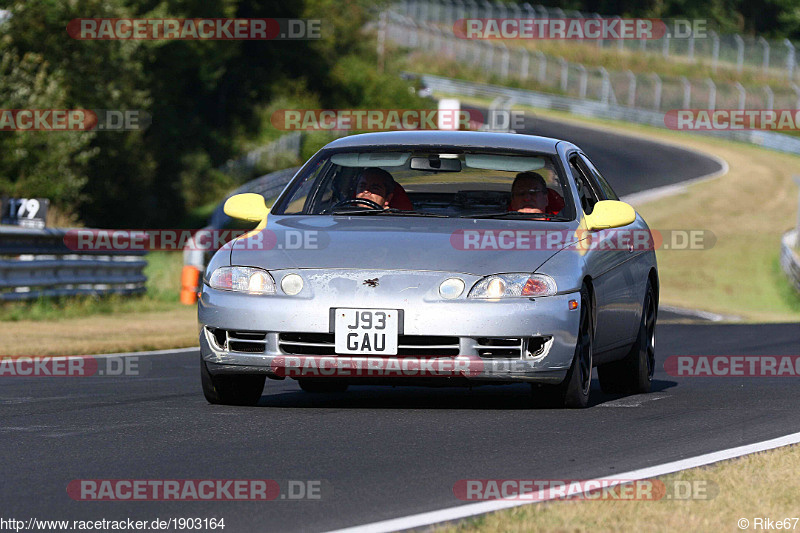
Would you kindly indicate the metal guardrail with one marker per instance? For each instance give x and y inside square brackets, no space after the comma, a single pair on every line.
[790,260]
[37,262]
[768,57]
[646,90]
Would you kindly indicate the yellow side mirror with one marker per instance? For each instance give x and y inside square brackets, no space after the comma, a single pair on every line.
[610,214]
[248,206]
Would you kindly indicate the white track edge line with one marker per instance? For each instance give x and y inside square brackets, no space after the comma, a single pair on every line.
[120,354]
[469,510]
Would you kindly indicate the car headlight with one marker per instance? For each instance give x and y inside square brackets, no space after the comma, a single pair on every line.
[242,279]
[514,286]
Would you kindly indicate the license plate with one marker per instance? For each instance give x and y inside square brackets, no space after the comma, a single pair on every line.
[366,331]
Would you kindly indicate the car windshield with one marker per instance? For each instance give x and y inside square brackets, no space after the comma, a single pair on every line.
[424,183]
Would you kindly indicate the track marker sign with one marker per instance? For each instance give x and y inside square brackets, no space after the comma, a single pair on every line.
[25,212]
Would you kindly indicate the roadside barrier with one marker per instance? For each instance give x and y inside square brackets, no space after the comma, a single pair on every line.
[37,262]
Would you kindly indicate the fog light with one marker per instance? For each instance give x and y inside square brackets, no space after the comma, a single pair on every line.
[451,288]
[292,284]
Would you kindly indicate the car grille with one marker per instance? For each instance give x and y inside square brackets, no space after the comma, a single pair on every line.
[511,347]
[323,344]
[416,345]
[239,341]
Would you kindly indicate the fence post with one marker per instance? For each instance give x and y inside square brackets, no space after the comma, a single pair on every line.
[460,11]
[687,92]
[529,11]
[739,52]
[435,11]
[582,81]
[789,59]
[502,10]
[690,53]
[487,9]
[600,40]
[504,61]
[524,64]
[657,97]
[381,41]
[605,88]
[764,54]
[423,12]
[712,94]
[796,90]
[564,73]
[714,50]
[797,228]
[742,95]
[620,41]
[665,45]
[631,88]
[542,66]
[770,97]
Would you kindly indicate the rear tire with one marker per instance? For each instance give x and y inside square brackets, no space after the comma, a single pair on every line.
[243,389]
[574,391]
[323,385]
[634,374]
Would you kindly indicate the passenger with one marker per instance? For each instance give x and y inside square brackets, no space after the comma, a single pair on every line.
[528,193]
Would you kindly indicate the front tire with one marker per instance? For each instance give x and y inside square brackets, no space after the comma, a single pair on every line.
[244,389]
[574,391]
[634,374]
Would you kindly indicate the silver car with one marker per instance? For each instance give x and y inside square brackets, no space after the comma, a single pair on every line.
[434,258]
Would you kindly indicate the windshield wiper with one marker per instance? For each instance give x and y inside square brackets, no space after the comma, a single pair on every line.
[515,215]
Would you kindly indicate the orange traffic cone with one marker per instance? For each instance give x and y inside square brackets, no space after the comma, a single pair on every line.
[189,279]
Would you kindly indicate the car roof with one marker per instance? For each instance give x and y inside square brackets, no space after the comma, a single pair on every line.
[460,139]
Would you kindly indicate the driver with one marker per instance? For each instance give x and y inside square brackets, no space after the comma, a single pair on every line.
[528,193]
[377,185]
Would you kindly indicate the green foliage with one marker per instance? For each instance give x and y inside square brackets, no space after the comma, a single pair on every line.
[40,163]
[200,182]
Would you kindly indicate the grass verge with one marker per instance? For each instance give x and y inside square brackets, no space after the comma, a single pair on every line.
[770,491]
[90,325]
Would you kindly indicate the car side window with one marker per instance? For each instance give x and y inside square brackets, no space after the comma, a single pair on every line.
[586,193]
[603,187]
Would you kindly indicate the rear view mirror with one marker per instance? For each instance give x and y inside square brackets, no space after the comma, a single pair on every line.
[435,164]
[610,214]
[248,206]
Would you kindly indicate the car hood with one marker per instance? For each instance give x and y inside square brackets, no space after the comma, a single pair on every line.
[399,243]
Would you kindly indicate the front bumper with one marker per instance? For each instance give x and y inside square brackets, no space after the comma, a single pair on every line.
[470,322]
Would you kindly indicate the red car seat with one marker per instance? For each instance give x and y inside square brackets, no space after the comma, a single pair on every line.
[400,199]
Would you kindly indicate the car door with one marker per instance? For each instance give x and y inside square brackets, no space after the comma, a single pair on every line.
[607,262]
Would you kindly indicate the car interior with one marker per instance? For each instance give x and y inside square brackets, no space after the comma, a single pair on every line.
[452,185]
